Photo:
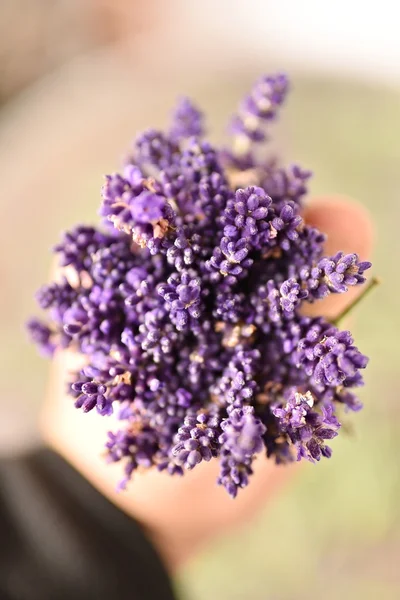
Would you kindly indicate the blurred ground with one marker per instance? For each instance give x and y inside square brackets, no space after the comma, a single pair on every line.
[335,532]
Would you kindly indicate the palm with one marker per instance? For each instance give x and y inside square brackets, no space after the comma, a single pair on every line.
[184,513]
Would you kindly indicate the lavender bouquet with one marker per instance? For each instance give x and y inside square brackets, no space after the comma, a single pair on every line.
[187,304]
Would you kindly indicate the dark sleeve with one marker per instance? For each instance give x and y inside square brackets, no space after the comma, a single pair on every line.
[61,539]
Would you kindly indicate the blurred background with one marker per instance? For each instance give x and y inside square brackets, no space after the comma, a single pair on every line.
[78,78]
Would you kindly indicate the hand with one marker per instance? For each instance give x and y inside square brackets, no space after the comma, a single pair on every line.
[183,514]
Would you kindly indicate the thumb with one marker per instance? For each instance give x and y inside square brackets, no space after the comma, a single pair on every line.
[348,228]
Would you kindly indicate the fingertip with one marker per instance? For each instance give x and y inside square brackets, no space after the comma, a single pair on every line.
[346,223]
[348,227]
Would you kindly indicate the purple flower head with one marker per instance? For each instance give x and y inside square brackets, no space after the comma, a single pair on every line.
[185,305]
[230,307]
[182,294]
[260,107]
[234,474]
[333,274]
[237,384]
[41,334]
[92,395]
[307,429]
[307,248]
[293,414]
[343,270]
[154,150]
[131,204]
[242,433]
[187,120]
[246,215]
[286,186]
[285,227]
[329,357]
[291,294]
[148,207]
[137,446]
[231,259]
[79,245]
[196,440]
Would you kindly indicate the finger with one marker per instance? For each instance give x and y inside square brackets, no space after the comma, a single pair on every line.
[348,228]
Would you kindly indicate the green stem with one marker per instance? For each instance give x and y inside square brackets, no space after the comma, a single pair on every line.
[371,284]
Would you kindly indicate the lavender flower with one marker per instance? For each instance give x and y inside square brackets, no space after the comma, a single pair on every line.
[183,298]
[291,295]
[246,215]
[41,334]
[242,433]
[133,207]
[260,106]
[139,448]
[286,186]
[230,259]
[186,304]
[233,474]
[187,120]
[306,428]
[237,384]
[241,439]
[155,150]
[329,357]
[196,440]
[92,395]
[285,226]
[275,303]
